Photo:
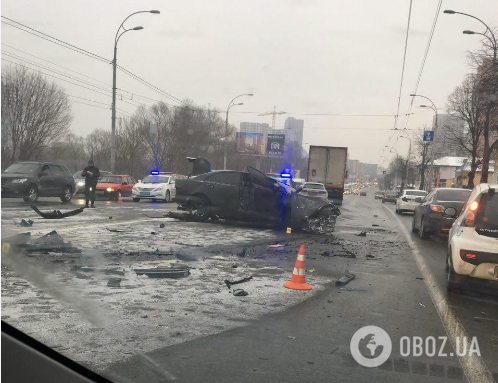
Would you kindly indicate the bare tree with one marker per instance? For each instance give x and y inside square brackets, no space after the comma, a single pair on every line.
[98,148]
[466,103]
[34,112]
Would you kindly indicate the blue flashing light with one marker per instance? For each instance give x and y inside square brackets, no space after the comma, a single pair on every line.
[154,172]
[286,175]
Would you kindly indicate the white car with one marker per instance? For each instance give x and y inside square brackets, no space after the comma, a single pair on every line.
[473,238]
[155,187]
[314,189]
[406,201]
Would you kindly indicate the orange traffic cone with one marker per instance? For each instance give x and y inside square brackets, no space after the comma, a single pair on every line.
[298,280]
[119,198]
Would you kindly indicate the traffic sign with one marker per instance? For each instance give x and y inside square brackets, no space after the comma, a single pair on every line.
[428,135]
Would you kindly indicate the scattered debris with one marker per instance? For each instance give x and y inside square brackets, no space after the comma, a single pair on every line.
[57,214]
[375,224]
[165,272]
[162,225]
[345,279]
[25,223]
[362,234]
[114,282]
[419,278]
[240,293]
[153,232]
[230,283]
[234,266]
[52,242]
[25,284]
[278,246]
[348,288]
[144,316]
[291,337]
[311,270]
[375,215]
[421,304]
[371,257]
[110,217]
[115,230]
[242,253]
[327,254]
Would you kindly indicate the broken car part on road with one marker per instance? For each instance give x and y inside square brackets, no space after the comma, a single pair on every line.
[230,283]
[165,272]
[56,214]
[346,278]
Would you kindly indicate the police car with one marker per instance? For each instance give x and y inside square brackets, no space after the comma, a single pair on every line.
[156,186]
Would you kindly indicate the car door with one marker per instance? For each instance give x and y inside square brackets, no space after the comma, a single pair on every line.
[222,190]
[267,195]
[419,210]
[57,179]
[45,182]
[131,183]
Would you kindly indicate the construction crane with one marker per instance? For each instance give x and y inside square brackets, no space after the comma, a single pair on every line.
[274,114]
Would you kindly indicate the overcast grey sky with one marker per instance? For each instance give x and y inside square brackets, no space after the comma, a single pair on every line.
[304,56]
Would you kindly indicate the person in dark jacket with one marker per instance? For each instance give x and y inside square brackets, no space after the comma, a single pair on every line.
[91,174]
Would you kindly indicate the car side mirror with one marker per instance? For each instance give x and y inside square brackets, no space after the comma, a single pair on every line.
[404,199]
[450,212]
[418,199]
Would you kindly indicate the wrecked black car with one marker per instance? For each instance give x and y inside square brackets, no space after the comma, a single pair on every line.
[252,196]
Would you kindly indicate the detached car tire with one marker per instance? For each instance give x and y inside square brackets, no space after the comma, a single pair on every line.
[32,194]
[66,195]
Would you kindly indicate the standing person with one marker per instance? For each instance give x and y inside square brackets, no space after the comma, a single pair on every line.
[91,174]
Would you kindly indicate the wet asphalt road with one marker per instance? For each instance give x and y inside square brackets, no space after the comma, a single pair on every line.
[401,282]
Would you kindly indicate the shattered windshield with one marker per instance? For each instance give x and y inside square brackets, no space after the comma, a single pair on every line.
[155,180]
[262,191]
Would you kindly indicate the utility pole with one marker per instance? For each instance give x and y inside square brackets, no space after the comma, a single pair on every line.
[226,126]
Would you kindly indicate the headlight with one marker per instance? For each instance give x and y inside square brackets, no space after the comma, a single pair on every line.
[19,181]
[80,183]
[110,189]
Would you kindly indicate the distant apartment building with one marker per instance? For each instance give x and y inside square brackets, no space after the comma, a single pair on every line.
[255,127]
[448,126]
[353,168]
[293,130]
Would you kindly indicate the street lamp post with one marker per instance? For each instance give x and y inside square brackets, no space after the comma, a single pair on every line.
[408,159]
[114,66]
[494,84]
[226,126]
[433,107]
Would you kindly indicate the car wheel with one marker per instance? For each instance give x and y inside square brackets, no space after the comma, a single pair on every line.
[32,194]
[454,282]
[66,195]
[136,199]
[397,211]
[422,233]
[198,210]
[168,196]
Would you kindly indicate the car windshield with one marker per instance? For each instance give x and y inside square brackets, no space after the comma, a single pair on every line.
[418,193]
[286,225]
[314,186]
[110,179]
[453,195]
[22,168]
[155,180]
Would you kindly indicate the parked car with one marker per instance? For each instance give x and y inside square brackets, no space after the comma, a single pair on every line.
[406,201]
[32,179]
[80,181]
[314,189]
[363,193]
[115,186]
[157,186]
[253,196]
[379,194]
[473,239]
[390,196]
[428,217]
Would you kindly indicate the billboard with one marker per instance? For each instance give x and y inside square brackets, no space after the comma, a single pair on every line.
[260,144]
[275,145]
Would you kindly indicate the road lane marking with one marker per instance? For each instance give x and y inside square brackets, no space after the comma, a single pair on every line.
[473,365]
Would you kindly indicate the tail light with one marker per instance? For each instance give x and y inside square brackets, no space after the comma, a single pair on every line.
[385,195]
[470,255]
[473,206]
[437,208]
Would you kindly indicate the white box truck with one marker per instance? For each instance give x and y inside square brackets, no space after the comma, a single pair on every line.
[327,165]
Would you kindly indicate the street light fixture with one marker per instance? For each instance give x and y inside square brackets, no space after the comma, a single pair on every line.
[226,125]
[114,66]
